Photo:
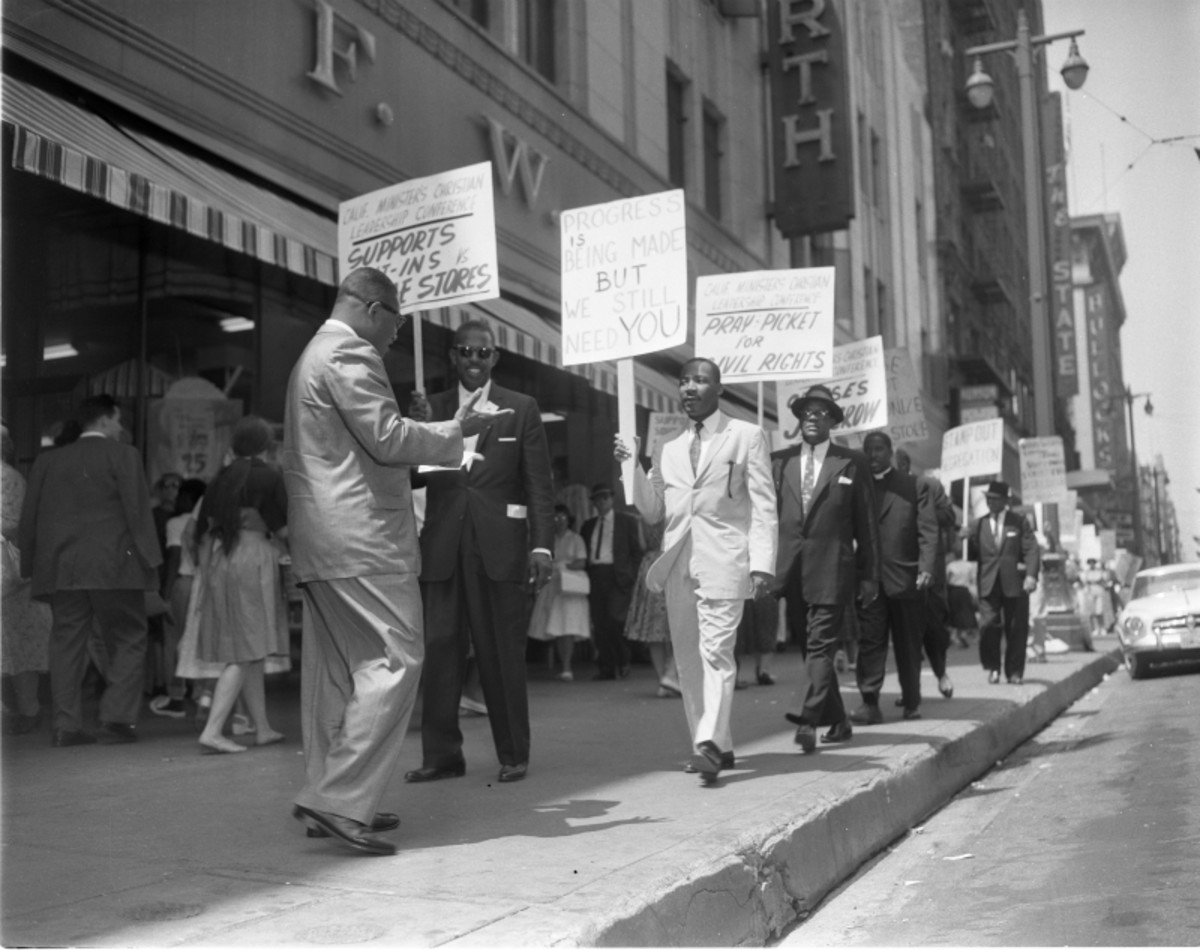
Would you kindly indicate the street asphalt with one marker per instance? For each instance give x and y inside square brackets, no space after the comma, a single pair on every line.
[606,843]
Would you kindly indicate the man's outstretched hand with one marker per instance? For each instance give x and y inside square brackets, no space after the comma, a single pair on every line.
[474,421]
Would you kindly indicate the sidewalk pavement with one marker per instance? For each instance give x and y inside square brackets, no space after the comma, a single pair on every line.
[607,842]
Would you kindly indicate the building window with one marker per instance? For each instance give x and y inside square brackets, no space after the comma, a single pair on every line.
[714,128]
[525,28]
[677,86]
[864,157]
[878,185]
[886,329]
[872,314]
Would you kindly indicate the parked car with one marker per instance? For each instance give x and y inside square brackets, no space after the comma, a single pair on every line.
[1161,623]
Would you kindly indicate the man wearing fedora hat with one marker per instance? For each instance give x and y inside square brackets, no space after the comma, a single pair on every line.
[1004,546]
[828,555]
[614,552]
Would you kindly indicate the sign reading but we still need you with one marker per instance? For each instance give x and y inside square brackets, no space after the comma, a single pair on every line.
[435,237]
[767,325]
[624,278]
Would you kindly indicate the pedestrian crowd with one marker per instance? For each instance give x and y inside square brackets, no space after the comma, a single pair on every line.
[729,551]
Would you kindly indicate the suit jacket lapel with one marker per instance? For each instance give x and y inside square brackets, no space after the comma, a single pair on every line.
[832,464]
[885,495]
[714,447]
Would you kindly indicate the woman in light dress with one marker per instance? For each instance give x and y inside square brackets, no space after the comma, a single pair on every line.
[646,621]
[561,614]
[243,616]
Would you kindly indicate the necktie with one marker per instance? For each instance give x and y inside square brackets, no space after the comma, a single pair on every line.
[599,537]
[808,481]
[695,449]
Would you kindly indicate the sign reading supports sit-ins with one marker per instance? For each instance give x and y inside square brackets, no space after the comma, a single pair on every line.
[767,325]
[435,237]
[858,385]
[624,278]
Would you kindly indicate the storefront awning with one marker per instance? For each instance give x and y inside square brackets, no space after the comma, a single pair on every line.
[89,153]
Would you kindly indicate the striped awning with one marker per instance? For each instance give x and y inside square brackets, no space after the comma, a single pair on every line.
[89,153]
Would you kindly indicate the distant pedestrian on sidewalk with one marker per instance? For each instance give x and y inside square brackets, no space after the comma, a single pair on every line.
[87,539]
[1007,552]
[828,556]
[347,454]
[560,611]
[614,551]
[713,485]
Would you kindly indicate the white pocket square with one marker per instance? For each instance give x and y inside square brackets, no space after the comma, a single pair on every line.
[843,480]
[506,438]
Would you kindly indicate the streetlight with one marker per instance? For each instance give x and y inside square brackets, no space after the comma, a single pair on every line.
[979,91]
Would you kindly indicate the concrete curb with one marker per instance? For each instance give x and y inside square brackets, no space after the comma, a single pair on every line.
[751,895]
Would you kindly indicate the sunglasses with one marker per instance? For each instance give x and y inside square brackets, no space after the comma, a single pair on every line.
[815,413]
[386,306]
[470,352]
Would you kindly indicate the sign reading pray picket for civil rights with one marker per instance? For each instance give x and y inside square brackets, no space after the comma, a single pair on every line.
[858,385]
[624,278]
[435,237]
[767,325]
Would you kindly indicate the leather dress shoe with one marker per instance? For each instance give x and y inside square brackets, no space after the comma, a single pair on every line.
[432,773]
[117,732]
[728,761]
[806,738]
[383,821]
[945,686]
[1016,680]
[840,732]
[912,714]
[993,676]
[707,761]
[346,830]
[65,737]
[868,714]
[513,773]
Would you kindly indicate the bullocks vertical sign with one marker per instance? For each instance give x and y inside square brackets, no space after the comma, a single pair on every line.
[624,278]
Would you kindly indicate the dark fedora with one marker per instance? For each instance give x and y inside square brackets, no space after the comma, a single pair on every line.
[601,488]
[816,393]
[997,490]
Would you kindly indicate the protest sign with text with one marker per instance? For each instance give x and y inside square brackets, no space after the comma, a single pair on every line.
[664,426]
[769,324]
[435,237]
[858,385]
[1043,469]
[624,278]
[972,450]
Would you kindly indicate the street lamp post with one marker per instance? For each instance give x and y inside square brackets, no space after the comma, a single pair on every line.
[979,92]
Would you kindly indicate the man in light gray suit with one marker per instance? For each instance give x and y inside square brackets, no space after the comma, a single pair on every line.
[353,538]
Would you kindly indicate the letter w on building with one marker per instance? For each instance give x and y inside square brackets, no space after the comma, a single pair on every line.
[521,157]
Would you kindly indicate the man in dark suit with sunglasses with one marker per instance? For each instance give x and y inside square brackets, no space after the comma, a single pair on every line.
[487,540]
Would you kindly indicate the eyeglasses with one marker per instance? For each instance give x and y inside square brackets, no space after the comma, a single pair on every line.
[386,306]
[817,413]
[470,352]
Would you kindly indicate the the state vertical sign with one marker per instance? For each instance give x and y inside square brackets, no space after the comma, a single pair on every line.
[624,278]
[767,325]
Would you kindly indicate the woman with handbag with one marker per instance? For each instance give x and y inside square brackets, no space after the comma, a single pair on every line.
[560,612]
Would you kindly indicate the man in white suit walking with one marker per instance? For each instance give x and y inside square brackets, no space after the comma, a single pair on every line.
[713,484]
[353,539]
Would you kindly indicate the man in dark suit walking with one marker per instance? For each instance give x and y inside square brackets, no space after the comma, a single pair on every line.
[88,541]
[828,554]
[1004,546]
[936,638]
[614,553]
[488,534]
[908,550]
